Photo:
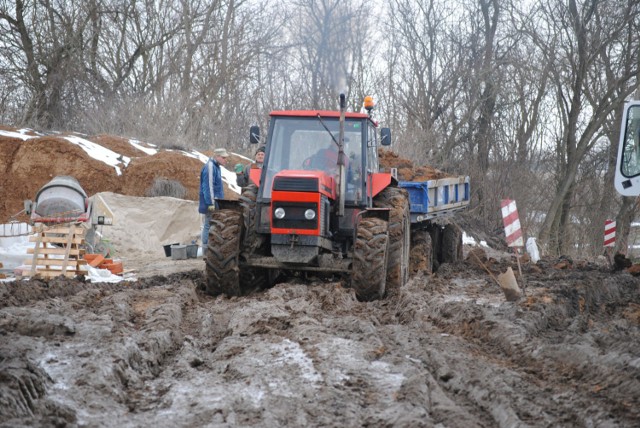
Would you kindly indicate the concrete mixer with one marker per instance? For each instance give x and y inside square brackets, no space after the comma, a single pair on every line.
[63,200]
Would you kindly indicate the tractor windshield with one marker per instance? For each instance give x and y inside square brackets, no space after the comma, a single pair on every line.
[303,143]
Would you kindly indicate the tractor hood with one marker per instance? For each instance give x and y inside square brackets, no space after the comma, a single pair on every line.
[305,181]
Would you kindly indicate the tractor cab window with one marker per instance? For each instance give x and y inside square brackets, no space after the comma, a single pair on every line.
[302,143]
[372,149]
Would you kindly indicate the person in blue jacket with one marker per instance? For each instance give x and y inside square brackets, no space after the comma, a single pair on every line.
[211,189]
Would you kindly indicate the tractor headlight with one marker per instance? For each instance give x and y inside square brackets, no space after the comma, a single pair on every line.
[279,213]
[309,214]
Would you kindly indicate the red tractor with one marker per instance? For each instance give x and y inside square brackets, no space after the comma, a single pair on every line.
[320,203]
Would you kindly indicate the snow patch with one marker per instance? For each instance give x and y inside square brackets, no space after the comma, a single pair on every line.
[139,145]
[100,153]
[19,134]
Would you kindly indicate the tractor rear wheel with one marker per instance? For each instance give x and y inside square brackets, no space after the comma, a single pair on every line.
[421,256]
[369,267]
[397,200]
[223,251]
[451,243]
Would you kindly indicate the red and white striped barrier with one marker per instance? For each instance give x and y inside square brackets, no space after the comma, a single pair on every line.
[609,233]
[511,221]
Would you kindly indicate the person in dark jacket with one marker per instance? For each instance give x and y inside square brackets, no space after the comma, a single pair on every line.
[211,189]
[242,178]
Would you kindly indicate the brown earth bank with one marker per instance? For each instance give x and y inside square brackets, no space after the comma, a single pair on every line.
[27,165]
[446,351]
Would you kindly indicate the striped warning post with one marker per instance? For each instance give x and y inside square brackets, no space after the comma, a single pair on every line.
[609,233]
[511,221]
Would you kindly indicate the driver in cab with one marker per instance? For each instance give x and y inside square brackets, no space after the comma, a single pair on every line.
[325,159]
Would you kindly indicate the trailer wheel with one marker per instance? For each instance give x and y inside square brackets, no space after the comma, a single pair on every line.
[369,267]
[421,256]
[399,235]
[451,243]
[223,251]
[435,232]
[252,239]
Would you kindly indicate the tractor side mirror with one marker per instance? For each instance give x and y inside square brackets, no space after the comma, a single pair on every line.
[385,136]
[254,134]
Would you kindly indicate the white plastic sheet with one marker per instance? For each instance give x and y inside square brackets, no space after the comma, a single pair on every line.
[532,250]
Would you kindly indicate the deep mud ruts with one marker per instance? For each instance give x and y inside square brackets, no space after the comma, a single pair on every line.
[447,350]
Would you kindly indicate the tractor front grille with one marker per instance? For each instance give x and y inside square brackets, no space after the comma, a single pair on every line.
[295,184]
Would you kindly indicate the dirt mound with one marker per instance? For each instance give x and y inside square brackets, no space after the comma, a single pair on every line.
[28,164]
[142,171]
[407,171]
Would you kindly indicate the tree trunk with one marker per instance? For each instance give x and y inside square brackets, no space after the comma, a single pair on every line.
[628,211]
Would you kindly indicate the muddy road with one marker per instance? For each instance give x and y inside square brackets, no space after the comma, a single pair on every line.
[446,351]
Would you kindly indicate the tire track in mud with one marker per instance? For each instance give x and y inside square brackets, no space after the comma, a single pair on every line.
[571,359]
[444,350]
[91,348]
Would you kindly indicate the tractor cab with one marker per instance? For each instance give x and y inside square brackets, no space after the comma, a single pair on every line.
[300,142]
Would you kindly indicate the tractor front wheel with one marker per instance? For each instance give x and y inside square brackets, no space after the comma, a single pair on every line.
[252,240]
[223,251]
[369,267]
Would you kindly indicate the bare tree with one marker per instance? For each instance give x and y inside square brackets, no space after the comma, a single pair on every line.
[40,45]
[328,50]
[524,97]
[424,73]
[593,65]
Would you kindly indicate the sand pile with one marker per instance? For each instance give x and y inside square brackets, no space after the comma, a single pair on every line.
[143,225]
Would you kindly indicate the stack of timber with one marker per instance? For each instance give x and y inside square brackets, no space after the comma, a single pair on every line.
[57,251]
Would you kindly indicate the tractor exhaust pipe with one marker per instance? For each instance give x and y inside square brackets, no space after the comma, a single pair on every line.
[341,162]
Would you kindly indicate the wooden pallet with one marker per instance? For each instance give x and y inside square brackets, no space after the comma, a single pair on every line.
[64,257]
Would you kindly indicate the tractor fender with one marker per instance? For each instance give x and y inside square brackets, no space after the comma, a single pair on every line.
[254,175]
[226,204]
[381,213]
[378,181]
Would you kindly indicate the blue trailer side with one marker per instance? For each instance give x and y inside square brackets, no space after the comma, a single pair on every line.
[436,198]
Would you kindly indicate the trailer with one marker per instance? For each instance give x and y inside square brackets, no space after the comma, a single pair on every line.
[435,238]
[436,198]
